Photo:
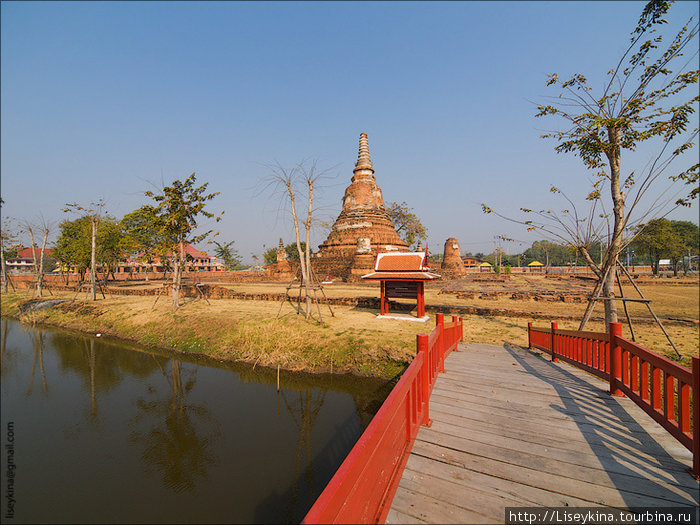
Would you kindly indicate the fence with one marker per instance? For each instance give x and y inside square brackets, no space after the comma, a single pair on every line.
[659,386]
[364,486]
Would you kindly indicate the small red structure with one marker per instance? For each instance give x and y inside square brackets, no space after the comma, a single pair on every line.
[401,275]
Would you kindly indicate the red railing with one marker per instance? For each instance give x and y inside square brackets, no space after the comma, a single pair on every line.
[659,386]
[362,489]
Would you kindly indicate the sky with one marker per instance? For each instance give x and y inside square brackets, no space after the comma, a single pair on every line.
[106,100]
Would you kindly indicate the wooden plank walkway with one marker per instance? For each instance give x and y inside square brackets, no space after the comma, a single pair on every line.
[512,429]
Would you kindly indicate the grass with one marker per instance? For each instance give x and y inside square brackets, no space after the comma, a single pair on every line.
[352,341]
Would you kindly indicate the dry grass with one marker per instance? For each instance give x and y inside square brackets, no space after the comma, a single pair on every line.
[354,340]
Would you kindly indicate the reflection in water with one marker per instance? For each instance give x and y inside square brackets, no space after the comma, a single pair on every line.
[304,411]
[149,438]
[175,448]
[37,337]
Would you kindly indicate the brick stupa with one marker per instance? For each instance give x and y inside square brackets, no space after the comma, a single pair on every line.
[452,264]
[363,216]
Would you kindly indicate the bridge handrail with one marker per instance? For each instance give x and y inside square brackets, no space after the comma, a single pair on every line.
[656,384]
[362,489]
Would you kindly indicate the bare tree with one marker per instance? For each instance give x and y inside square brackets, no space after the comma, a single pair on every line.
[284,183]
[43,228]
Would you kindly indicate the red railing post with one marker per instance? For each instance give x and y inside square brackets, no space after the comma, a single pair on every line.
[529,339]
[440,321]
[456,333]
[696,417]
[554,327]
[422,344]
[615,331]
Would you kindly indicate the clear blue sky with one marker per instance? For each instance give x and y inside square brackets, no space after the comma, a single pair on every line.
[101,99]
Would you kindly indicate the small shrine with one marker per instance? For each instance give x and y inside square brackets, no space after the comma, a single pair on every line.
[402,275]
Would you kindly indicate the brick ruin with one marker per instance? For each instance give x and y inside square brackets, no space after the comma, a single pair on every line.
[362,230]
[452,265]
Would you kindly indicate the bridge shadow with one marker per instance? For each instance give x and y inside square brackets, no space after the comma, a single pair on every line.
[291,505]
[636,463]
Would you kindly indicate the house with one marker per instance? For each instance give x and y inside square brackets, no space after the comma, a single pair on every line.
[197,261]
[471,262]
[24,262]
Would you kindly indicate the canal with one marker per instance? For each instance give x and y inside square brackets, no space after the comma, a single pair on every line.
[96,431]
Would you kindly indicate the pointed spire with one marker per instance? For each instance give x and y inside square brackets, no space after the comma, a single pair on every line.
[363,160]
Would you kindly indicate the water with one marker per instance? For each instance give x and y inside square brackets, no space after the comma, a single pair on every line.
[104,433]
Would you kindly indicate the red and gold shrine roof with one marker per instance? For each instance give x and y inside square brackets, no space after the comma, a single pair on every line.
[401,266]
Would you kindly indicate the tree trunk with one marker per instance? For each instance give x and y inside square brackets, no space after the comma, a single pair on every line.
[36,267]
[177,274]
[615,244]
[302,257]
[93,295]
[2,264]
[307,255]
[40,277]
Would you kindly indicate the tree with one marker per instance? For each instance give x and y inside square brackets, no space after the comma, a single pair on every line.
[690,238]
[644,99]
[43,228]
[270,256]
[228,255]
[285,183]
[7,237]
[658,240]
[407,224]
[93,212]
[293,252]
[74,246]
[175,213]
[662,238]
[109,244]
[141,235]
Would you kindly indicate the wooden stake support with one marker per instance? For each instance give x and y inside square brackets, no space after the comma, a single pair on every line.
[314,285]
[641,299]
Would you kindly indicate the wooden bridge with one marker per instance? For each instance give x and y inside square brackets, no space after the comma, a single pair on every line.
[512,429]
[506,426]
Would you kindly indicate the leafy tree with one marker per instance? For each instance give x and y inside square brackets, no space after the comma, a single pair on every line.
[72,247]
[175,214]
[645,99]
[690,237]
[8,237]
[270,256]
[109,245]
[141,235]
[94,211]
[658,240]
[228,255]
[662,238]
[407,223]
[549,253]
[293,252]
[74,244]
